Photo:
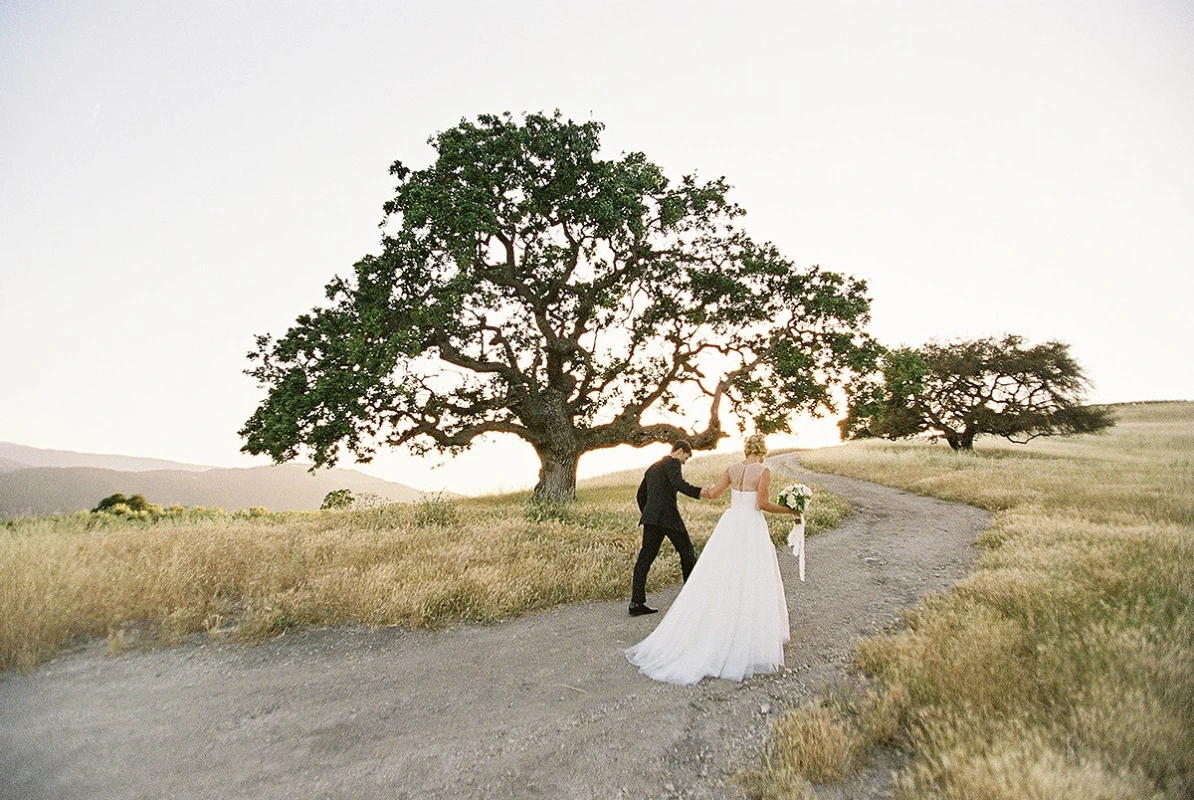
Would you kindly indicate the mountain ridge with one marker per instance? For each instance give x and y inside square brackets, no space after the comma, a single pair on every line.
[35,491]
[25,457]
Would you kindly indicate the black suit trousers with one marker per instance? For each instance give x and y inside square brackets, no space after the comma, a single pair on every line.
[653,537]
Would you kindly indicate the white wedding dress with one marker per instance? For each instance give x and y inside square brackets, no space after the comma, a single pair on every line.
[731,618]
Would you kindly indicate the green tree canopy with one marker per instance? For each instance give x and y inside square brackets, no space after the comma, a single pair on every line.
[528,286]
[962,389]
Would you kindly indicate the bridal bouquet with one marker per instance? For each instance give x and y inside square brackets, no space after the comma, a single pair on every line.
[796,497]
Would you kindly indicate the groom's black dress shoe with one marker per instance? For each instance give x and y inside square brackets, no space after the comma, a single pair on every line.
[639,609]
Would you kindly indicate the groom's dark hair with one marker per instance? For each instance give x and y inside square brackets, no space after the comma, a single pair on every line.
[680,444]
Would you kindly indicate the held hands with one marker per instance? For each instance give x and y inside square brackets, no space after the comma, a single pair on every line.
[714,490]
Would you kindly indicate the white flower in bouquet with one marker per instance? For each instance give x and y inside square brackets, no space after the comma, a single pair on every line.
[795,497]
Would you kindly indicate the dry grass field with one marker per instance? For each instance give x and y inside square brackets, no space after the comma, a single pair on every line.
[141,583]
[1063,667]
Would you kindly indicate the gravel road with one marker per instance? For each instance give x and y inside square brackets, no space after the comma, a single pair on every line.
[543,706]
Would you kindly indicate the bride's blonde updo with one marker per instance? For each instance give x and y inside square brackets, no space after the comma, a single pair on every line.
[756,445]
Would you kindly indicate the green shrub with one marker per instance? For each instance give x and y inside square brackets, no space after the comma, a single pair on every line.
[119,504]
[337,499]
[435,511]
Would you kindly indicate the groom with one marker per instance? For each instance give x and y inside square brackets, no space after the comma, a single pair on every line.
[661,518]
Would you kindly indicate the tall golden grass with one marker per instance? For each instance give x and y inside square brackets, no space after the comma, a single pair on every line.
[69,579]
[1063,667]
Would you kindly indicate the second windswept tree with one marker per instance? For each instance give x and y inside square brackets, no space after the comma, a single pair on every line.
[960,390]
[529,286]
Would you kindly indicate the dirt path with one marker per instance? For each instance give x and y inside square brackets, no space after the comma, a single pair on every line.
[540,706]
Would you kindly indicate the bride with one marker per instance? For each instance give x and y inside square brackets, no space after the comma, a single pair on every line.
[731,618]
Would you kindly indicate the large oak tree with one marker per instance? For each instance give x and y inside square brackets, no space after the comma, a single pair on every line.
[959,390]
[528,286]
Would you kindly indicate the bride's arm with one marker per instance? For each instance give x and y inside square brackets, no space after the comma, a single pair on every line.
[716,489]
[764,494]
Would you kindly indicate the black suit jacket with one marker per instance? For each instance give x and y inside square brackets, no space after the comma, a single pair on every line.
[657,494]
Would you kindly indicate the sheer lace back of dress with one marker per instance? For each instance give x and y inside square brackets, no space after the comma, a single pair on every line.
[745,477]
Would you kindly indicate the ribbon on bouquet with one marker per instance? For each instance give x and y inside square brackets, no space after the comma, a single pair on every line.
[796,542]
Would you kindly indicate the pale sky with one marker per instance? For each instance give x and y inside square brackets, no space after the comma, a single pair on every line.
[176,177]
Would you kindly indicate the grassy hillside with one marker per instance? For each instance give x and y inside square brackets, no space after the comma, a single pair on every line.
[1062,668]
[431,563]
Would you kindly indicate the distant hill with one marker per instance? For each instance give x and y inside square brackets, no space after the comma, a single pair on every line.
[37,491]
[19,456]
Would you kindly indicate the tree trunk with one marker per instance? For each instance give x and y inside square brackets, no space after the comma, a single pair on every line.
[557,476]
[967,442]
